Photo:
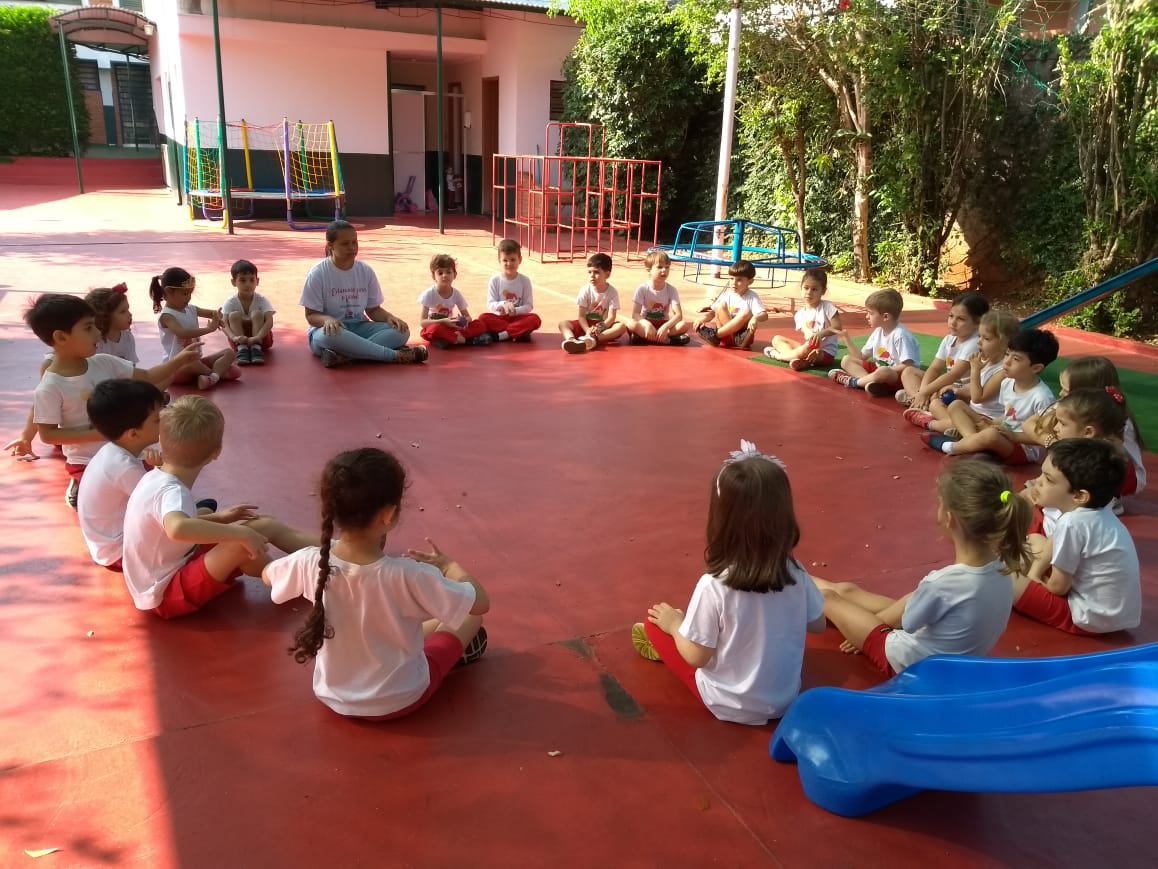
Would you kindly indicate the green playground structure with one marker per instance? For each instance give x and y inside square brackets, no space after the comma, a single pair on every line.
[294,161]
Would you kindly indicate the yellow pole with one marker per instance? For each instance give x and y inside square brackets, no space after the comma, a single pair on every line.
[334,158]
[245,146]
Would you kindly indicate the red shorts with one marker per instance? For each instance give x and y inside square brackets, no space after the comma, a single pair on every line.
[75,471]
[874,649]
[823,360]
[1130,484]
[266,342]
[577,328]
[1017,458]
[1042,605]
[115,566]
[192,586]
[442,650]
[1037,526]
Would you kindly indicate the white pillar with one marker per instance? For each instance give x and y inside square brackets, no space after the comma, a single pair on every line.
[729,120]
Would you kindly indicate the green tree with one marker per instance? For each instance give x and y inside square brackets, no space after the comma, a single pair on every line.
[632,72]
[33,102]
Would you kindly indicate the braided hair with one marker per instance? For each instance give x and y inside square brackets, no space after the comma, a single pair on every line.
[356,487]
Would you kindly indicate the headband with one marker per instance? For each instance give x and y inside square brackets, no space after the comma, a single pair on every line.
[747,450]
[1116,394]
[121,288]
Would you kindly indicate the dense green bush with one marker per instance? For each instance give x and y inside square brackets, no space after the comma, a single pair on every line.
[33,102]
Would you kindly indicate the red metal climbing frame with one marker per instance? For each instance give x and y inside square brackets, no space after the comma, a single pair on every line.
[566,204]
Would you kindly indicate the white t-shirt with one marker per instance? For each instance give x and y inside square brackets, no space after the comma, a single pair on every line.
[234,305]
[373,664]
[655,305]
[109,480]
[1020,406]
[516,290]
[1094,547]
[759,640]
[150,557]
[735,303]
[953,350]
[343,295]
[811,320]
[957,610]
[125,347]
[993,408]
[892,349]
[599,306]
[171,345]
[1130,443]
[439,307]
[63,401]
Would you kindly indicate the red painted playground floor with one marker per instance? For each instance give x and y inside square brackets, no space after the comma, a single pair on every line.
[576,489]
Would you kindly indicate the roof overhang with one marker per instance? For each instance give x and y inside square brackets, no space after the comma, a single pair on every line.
[105,29]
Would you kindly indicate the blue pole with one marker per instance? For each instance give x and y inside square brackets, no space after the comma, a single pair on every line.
[1088,297]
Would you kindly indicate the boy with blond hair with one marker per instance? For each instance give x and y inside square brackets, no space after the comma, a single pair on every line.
[176,561]
[657,317]
[876,367]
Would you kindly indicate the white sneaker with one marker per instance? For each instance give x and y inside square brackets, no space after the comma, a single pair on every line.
[902,396]
[574,345]
[770,352]
[591,342]
[1117,507]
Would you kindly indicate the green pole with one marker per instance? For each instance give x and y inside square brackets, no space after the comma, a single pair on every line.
[222,138]
[441,101]
[71,107]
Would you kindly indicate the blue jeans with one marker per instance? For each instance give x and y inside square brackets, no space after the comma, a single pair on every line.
[361,339]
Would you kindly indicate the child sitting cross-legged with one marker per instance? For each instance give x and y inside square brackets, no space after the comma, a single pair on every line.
[951,362]
[819,324]
[876,367]
[384,630]
[657,317]
[176,561]
[443,314]
[732,319]
[1023,394]
[247,316]
[1093,585]
[961,609]
[598,307]
[740,646]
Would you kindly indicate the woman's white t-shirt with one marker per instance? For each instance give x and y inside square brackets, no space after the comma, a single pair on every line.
[341,294]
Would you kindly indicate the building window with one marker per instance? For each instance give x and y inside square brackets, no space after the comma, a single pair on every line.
[557,88]
[89,75]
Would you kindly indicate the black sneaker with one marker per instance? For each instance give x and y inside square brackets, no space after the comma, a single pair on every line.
[72,493]
[209,504]
[678,341]
[636,340]
[411,355]
[483,340]
[709,335]
[243,355]
[256,355]
[880,390]
[523,339]
[440,343]
[476,648]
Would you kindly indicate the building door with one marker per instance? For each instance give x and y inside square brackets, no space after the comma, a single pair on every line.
[490,138]
[408,115]
[135,101]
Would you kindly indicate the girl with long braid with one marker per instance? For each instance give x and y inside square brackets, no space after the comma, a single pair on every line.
[385,630]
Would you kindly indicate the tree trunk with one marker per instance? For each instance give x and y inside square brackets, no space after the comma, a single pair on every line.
[860,226]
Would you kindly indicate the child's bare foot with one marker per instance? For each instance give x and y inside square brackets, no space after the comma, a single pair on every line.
[849,649]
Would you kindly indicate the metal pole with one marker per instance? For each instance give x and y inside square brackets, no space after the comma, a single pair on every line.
[71,107]
[441,112]
[222,138]
[729,121]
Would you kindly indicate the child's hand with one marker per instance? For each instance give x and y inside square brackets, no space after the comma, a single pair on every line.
[216,319]
[190,353]
[435,557]
[153,457]
[976,362]
[252,542]
[509,308]
[240,513]
[20,447]
[665,617]
[332,326]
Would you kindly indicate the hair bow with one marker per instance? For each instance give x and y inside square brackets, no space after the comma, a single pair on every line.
[1116,394]
[747,450]
[121,288]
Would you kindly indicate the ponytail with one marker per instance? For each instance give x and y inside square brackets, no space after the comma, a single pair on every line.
[308,641]
[979,496]
[1014,519]
[156,293]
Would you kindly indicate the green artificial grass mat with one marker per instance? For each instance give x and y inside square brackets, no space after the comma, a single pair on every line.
[1135,384]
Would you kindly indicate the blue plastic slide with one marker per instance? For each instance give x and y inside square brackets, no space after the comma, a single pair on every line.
[978,725]
[1087,297]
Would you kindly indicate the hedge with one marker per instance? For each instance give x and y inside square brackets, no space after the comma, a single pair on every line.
[33,102]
